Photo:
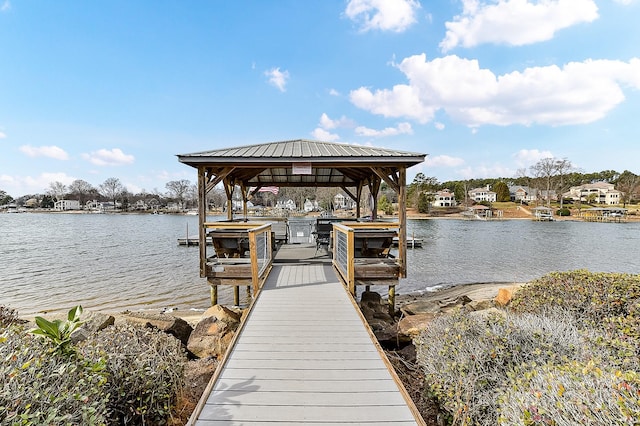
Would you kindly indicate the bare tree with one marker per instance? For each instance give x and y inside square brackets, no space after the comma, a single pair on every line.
[544,170]
[179,189]
[111,189]
[81,189]
[57,190]
[217,197]
[563,168]
[549,168]
[628,184]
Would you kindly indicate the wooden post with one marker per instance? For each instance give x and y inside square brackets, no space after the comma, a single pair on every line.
[253,250]
[351,261]
[402,218]
[392,300]
[236,295]
[214,294]
[202,218]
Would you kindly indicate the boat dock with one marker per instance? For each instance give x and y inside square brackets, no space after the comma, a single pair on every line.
[305,355]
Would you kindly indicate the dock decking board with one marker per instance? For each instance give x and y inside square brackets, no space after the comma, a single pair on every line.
[304,356]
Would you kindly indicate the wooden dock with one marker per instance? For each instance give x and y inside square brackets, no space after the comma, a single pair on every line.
[305,356]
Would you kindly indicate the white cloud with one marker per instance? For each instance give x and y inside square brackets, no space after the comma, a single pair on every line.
[483,171]
[402,128]
[528,157]
[324,135]
[328,124]
[514,22]
[278,78]
[443,161]
[3,135]
[401,101]
[105,157]
[334,92]
[133,188]
[624,2]
[45,151]
[385,15]
[439,126]
[578,93]
[6,5]
[17,186]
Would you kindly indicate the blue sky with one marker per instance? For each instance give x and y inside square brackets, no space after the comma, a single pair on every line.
[98,89]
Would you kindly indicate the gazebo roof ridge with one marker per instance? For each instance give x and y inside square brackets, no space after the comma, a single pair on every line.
[304,150]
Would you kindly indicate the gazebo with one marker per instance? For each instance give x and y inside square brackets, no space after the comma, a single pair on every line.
[303,163]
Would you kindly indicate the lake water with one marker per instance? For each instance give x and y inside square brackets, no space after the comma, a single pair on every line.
[51,262]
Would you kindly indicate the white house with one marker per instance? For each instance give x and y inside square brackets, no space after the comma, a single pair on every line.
[444,198]
[601,192]
[64,205]
[482,194]
[342,202]
[286,204]
[310,206]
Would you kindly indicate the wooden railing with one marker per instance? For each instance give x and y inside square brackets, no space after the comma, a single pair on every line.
[361,254]
[230,264]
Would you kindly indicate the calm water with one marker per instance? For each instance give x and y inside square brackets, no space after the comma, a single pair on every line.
[51,262]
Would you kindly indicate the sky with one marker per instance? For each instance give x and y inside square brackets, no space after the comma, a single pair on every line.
[486,88]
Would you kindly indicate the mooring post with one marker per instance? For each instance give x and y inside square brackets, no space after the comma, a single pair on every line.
[392,300]
[236,295]
[214,294]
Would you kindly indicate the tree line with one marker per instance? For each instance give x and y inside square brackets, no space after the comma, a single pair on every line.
[546,176]
[111,190]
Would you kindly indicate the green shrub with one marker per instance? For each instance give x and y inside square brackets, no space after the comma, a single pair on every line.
[467,359]
[58,332]
[572,394]
[38,386]
[145,369]
[563,212]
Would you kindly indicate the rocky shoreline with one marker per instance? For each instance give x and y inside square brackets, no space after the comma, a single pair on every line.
[206,336]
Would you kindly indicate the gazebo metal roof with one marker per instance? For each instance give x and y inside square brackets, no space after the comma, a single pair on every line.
[302,163]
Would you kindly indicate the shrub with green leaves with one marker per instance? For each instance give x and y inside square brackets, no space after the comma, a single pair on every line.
[145,369]
[468,358]
[59,332]
[41,387]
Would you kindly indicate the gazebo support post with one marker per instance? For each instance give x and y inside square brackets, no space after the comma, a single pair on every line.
[402,218]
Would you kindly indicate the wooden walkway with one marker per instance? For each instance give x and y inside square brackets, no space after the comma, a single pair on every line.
[304,356]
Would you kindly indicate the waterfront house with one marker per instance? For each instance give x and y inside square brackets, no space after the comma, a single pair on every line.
[288,204]
[310,206]
[523,194]
[342,202]
[64,205]
[482,194]
[598,192]
[444,198]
